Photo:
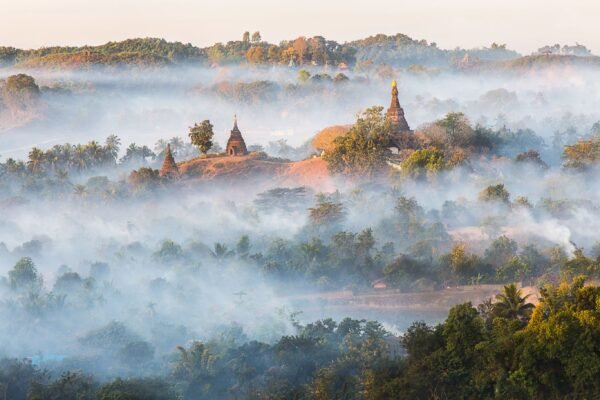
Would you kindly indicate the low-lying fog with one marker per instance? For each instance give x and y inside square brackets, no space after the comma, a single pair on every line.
[175,266]
[144,106]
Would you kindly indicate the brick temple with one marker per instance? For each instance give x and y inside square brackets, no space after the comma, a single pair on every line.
[401,136]
[169,167]
[236,145]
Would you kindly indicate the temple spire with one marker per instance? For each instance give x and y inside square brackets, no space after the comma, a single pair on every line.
[169,166]
[395,113]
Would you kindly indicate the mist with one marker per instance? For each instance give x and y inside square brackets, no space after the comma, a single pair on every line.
[102,263]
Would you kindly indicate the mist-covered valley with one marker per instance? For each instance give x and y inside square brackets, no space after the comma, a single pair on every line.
[150,249]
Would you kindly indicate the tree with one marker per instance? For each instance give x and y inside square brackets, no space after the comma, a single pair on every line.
[326,213]
[113,145]
[36,160]
[246,37]
[136,389]
[423,163]
[202,135]
[303,75]
[145,179]
[496,193]
[461,264]
[70,386]
[24,274]
[137,154]
[362,151]
[255,55]
[457,127]
[582,154]
[242,248]
[511,304]
[532,157]
[500,251]
[300,46]
[256,37]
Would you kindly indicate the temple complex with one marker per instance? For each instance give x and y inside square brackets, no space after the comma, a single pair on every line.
[396,115]
[236,145]
[169,166]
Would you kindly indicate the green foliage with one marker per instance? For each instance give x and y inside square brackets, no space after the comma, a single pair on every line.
[169,252]
[582,154]
[404,271]
[423,163]
[70,386]
[24,275]
[146,179]
[362,151]
[202,135]
[136,389]
[502,349]
[511,304]
[326,213]
[531,157]
[20,94]
[303,75]
[495,193]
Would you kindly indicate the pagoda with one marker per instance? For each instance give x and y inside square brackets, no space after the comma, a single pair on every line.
[395,113]
[169,166]
[236,145]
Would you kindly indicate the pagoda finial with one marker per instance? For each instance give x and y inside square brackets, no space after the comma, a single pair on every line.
[394,84]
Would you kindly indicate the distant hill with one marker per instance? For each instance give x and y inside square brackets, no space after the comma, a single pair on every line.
[88,59]
[402,51]
[535,63]
[134,51]
[398,51]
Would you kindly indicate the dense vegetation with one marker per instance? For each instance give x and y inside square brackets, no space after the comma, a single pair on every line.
[503,348]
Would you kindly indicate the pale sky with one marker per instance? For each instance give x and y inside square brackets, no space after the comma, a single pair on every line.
[524,25]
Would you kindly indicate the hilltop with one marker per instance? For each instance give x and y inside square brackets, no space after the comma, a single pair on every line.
[256,167]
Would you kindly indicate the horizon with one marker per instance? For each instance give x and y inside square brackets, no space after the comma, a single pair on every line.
[463,23]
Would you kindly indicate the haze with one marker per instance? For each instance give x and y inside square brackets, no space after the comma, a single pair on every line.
[523,26]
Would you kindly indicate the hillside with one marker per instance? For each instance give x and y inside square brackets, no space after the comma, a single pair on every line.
[536,62]
[88,59]
[256,167]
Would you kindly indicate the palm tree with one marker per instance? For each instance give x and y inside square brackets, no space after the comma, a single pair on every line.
[160,146]
[95,152]
[80,158]
[112,145]
[36,159]
[176,145]
[221,251]
[510,304]
[79,190]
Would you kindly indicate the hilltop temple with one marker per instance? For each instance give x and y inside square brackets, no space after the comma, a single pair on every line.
[169,167]
[236,145]
[396,115]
